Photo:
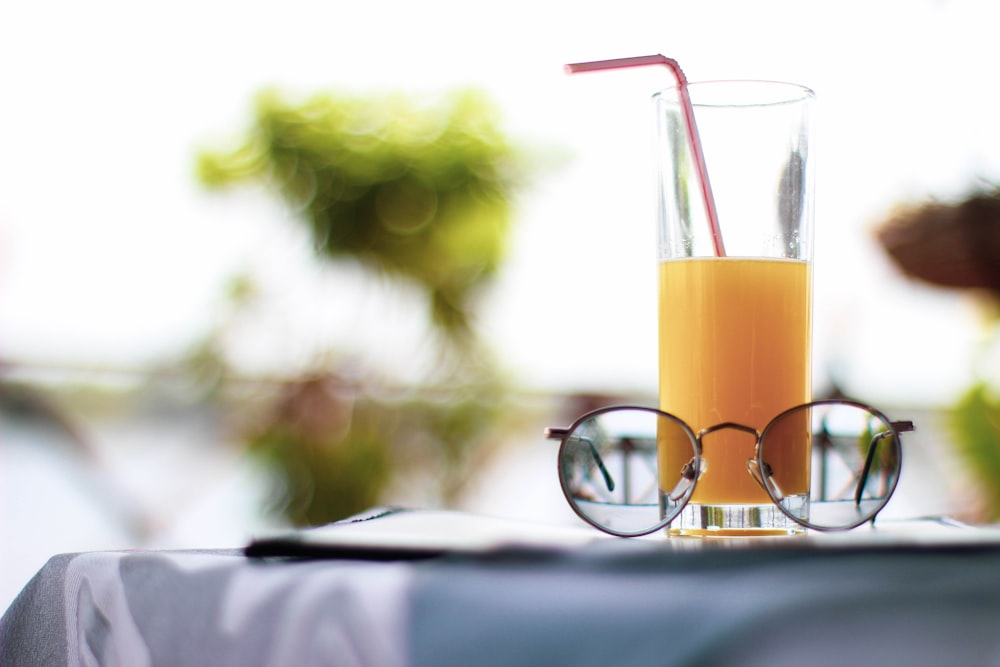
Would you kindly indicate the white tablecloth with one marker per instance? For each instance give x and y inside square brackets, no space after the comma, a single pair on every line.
[612,602]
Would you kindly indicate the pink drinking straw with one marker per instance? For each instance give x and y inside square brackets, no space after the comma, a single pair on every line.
[692,129]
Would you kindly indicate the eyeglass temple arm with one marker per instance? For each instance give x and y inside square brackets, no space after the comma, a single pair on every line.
[897,427]
[562,433]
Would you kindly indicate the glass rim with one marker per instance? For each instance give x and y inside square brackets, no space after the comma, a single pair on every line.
[738,93]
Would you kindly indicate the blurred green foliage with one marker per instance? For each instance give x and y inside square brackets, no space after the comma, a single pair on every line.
[414,190]
[336,450]
[975,420]
[956,245]
[417,190]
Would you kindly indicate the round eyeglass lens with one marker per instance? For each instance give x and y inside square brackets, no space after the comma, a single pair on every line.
[854,462]
[609,472]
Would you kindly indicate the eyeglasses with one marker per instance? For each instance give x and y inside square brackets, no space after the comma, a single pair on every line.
[630,471]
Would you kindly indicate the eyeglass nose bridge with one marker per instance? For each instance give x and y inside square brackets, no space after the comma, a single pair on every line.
[728,425]
[759,470]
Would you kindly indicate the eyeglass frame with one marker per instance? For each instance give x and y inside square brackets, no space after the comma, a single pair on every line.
[897,427]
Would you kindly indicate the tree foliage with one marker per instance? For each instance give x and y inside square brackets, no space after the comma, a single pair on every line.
[419,192]
[414,190]
[975,421]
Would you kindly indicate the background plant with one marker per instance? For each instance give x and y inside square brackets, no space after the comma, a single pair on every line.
[956,245]
[418,191]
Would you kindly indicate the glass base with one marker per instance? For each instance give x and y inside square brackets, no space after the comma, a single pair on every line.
[766,520]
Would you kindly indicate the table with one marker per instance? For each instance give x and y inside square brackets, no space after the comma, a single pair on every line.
[604,602]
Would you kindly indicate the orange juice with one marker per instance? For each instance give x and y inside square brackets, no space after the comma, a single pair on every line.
[735,347]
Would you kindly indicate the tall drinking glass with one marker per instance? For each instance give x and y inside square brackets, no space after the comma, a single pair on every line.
[735,307]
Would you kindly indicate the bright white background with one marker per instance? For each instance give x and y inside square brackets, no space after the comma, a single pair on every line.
[111,253]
